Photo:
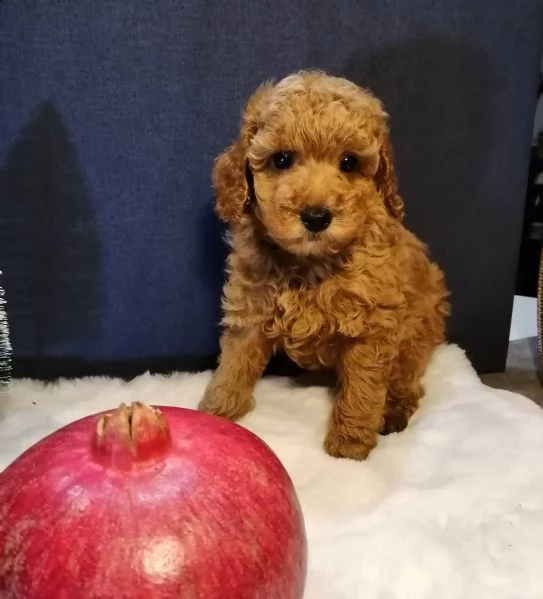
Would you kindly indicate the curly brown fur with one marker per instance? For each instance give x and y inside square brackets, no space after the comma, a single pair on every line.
[361,297]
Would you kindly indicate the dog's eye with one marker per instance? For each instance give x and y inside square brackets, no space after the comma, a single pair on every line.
[348,163]
[283,160]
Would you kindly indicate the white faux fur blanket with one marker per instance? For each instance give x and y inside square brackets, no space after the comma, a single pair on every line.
[450,508]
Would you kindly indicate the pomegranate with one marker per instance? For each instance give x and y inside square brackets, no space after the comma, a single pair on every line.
[150,503]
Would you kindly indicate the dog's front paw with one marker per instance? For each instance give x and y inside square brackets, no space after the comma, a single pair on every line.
[397,418]
[340,444]
[225,402]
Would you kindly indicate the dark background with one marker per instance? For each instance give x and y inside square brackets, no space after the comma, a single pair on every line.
[111,114]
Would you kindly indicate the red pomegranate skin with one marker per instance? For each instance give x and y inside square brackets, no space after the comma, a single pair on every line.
[207,512]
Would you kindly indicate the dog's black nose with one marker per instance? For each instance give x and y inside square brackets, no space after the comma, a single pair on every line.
[316,218]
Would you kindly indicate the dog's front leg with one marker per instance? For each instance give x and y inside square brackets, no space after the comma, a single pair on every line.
[358,411]
[244,355]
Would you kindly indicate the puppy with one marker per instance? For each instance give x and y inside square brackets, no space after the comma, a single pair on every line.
[320,265]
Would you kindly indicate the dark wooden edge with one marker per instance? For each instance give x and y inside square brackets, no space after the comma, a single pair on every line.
[52,369]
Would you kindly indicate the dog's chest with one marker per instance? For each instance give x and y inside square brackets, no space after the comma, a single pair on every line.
[310,324]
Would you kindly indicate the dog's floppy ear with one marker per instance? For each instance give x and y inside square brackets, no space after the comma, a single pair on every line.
[232,179]
[387,184]
[230,183]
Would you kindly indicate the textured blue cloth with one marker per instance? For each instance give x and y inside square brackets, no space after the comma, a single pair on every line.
[111,114]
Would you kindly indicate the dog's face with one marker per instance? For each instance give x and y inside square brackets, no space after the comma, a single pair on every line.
[311,157]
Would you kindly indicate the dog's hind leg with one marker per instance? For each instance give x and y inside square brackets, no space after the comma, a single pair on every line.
[405,385]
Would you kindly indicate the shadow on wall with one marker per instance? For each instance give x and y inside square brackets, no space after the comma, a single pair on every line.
[443,98]
[212,264]
[49,245]
[440,97]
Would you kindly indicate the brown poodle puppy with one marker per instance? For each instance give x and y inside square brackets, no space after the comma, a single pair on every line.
[321,266]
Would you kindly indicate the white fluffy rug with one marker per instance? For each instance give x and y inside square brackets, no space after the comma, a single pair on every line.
[450,508]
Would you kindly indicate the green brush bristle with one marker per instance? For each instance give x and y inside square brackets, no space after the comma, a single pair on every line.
[5,345]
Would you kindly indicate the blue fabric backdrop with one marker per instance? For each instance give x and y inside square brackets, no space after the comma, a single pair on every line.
[111,113]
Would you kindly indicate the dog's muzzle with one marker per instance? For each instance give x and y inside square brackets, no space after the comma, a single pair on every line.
[316,218]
